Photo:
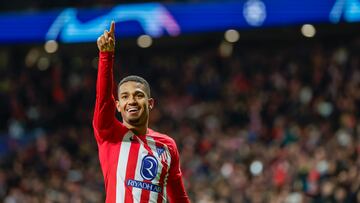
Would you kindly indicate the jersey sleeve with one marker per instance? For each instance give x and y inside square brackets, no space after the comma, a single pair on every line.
[175,185]
[104,120]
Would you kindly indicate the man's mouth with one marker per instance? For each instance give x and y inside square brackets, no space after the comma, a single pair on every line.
[133,109]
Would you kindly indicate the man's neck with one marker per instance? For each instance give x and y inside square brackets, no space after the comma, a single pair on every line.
[137,130]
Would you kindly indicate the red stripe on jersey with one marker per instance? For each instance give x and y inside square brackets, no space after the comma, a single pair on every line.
[130,169]
[161,184]
[145,194]
[110,152]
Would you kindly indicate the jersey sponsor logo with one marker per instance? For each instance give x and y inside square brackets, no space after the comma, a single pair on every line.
[149,167]
[143,185]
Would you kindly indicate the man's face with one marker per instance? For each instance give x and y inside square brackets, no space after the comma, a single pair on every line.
[134,104]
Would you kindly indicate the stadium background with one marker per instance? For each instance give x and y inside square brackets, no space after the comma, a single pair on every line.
[271,116]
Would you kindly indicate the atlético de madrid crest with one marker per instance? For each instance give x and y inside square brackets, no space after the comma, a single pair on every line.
[161,153]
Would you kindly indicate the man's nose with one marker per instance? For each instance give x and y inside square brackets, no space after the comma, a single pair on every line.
[132,100]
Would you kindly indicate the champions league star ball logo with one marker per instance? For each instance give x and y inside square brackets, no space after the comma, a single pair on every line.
[153,18]
[149,166]
[254,12]
[349,9]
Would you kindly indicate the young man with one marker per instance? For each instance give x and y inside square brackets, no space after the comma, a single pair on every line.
[138,164]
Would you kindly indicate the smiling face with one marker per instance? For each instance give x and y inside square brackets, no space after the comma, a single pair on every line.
[134,104]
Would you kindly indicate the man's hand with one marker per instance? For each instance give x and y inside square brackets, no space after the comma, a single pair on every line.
[106,42]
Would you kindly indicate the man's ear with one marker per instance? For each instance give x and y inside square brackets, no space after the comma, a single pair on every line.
[151,103]
[117,103]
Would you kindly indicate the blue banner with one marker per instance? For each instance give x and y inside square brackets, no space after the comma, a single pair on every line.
[72,25]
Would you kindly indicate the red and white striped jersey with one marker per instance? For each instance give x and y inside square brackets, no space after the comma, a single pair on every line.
[136,168]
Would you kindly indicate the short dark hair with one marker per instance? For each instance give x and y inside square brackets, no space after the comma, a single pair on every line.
[135,78]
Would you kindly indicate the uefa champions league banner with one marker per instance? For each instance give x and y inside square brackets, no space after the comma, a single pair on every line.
[72,25]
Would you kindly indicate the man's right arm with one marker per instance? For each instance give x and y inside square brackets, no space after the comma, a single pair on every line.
[175,185]
[104,120]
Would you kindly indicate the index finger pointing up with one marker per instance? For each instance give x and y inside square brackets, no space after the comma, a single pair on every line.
[112,28]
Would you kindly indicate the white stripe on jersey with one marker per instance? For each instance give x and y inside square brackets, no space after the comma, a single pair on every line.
[165,180]
[121,168]
[168,161]
[137,191]
[151,143]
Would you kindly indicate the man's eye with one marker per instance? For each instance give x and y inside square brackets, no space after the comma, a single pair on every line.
[124,97]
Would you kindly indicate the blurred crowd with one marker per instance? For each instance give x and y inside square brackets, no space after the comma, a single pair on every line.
[263,124]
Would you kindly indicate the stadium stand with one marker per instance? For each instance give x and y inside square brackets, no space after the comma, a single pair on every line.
[273,122]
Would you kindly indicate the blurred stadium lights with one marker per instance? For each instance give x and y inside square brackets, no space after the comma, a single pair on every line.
[144,41]
[51,46]
[308,30]
[232,35]
[325,109]
[32,57]
[94,62]
[225,49]
[43,63]
[256,168]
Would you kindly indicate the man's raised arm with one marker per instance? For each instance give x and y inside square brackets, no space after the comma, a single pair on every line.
[104,114]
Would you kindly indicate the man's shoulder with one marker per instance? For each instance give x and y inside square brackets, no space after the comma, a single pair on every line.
[165,140]
[161,137]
